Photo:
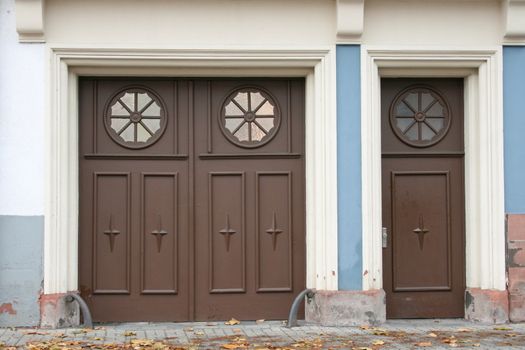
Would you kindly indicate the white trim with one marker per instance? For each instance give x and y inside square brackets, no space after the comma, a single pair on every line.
[350,20]
[485,240]
[514,21]
[317,65]
[30,20]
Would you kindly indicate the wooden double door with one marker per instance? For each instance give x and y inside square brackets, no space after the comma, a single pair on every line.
[423,197]
[192,198]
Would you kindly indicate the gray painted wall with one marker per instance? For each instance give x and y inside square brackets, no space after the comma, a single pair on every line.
[21,266]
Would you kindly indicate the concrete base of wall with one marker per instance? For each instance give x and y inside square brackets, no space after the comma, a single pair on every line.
[57,313]
[486,305]
[21,242]
[347,308]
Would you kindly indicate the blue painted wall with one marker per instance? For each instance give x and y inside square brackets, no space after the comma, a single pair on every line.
[349,167]
[514,128]
[21,248]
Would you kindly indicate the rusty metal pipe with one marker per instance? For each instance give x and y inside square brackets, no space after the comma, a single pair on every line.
[84,309]
[292,316]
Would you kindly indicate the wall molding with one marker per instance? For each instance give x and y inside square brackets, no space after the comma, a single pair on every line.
[62,188]
[514,21]
[350,20]
[484,190]
[30,20]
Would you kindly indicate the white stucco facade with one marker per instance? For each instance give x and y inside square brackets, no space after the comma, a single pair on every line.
[22,110]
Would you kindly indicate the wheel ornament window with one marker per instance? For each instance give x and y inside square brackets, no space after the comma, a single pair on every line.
[420,116]
[135,118]
[250,117]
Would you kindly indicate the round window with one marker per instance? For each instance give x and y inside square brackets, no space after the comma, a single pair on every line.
[420,116]
[135,117]
[249,117]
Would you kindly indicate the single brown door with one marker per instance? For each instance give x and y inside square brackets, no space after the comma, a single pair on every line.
[423,197]
[191,198]
[249,195]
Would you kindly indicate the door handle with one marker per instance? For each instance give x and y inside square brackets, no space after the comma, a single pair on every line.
[384,237]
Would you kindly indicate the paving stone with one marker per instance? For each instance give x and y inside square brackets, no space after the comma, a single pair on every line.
[275,333]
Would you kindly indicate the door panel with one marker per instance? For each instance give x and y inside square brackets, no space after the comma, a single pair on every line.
[423,197]
[159,245]
[227,258]
[420,200]
[112,218]
[274,246]
[191,198]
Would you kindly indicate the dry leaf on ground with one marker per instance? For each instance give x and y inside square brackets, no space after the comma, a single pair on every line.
[232,322]
[464,330]
[35,333]
[379,331]
[424,344]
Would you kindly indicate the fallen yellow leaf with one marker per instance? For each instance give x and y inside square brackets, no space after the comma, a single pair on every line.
[424,344]
[233,346]
[450,340]
[232,322]
[432,335]
[379,331]
[464,330]
[378,342]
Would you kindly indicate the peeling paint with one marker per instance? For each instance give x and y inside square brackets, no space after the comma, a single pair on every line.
[347,308]
[487,305]
[511,252]
[55,312]
[7,308]
[468,299]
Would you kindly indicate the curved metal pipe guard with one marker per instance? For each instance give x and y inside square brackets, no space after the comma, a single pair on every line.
[292,316]
[84,309]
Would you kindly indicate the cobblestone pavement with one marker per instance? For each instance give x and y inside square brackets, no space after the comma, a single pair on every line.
[402,334]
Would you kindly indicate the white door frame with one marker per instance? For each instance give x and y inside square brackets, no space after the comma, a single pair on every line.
[317,65]
[484,205]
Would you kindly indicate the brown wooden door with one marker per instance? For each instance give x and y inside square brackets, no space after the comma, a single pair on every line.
[184,214]
[423,197]
[249,198]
